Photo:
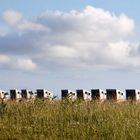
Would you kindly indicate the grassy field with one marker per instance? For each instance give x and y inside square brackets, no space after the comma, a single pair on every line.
[70,121]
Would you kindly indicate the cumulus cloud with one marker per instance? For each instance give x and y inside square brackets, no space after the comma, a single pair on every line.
[4,59]
[88,38]
[10,62]
[15,18]
[25,64]
[12,17]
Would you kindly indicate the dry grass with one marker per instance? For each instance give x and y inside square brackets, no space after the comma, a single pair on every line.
[70,121]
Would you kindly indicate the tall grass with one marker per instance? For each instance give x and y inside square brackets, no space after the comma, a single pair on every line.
[62,120]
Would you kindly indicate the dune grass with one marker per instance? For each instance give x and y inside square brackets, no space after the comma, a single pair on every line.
[63,120]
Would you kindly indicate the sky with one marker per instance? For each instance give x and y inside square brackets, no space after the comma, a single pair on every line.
[59,44]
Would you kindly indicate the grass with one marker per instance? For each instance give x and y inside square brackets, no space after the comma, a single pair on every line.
[63,120]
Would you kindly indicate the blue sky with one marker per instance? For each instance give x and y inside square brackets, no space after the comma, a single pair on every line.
[95,46]
[34,7]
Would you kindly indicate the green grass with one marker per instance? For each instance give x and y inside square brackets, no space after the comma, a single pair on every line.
[59,120]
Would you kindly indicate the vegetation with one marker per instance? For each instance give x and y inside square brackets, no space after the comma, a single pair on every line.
[63,120]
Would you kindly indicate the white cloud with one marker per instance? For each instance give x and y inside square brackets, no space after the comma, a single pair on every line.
[4,59]
[26,25]
[126,28]
[14,18]
[25,64]
[92,37]
[62,52]
[89,38]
